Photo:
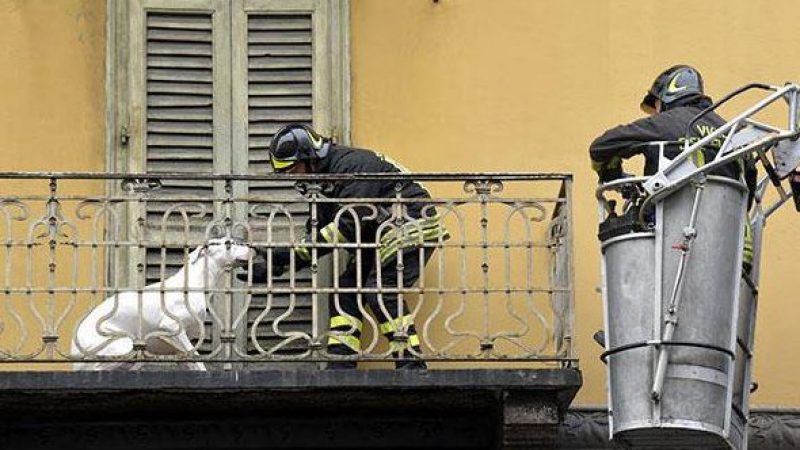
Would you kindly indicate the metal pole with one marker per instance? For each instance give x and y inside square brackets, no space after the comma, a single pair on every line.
[671,318]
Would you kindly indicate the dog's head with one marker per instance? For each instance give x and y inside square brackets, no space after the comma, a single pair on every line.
[224,251]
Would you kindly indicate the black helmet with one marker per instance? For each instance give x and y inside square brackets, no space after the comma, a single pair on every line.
[296,142]
[674,83]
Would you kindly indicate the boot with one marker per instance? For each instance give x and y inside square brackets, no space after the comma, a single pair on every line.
[341,365]
[416,364]
[409,360]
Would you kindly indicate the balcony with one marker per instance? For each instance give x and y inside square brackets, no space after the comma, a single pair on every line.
[121,306]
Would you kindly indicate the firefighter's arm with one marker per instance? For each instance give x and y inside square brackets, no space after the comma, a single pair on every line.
[282,256]
[623,142]
[280,259]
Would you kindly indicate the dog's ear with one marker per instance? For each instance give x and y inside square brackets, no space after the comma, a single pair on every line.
[215,232]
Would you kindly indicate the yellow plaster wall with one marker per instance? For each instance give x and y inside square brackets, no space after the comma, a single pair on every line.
[52,73]
[52,118]
[485,85]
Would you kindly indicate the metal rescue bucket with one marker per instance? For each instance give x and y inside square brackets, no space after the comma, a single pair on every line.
[677,391]
[630,286]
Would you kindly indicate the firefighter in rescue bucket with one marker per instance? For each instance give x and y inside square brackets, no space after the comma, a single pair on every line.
[297,149]
[673,101]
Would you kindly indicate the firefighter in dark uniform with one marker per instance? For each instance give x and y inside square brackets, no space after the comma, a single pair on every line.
[675,98]
[298,149]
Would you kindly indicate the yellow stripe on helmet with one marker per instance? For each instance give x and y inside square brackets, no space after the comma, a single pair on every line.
[279,165]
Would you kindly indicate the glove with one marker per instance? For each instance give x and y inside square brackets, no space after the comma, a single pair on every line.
[280,260]
[607,174]
[628,191]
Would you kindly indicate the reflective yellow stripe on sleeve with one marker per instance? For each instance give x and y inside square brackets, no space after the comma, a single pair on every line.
[331,233]
[303,253]
[415,233]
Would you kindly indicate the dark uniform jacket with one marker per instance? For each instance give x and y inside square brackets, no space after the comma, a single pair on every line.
[625,141]
[335,227]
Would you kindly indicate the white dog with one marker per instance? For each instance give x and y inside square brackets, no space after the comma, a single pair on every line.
[168,323]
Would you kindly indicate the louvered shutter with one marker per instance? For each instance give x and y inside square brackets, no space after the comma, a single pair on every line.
[281,76]
[179,111]
[178,87]
[180,127]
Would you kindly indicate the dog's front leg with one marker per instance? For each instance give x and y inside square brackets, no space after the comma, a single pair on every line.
[186,346]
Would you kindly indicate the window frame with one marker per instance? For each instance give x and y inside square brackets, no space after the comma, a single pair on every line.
[331,116]
[334,121]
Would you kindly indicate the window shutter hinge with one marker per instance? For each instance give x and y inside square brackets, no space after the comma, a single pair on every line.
[124,137]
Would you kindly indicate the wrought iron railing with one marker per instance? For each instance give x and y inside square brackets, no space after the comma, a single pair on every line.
[89,265]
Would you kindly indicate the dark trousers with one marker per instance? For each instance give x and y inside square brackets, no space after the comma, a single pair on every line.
[346,321]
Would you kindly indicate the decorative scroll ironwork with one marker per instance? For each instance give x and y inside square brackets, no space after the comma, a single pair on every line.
[495,286]
[769,429]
